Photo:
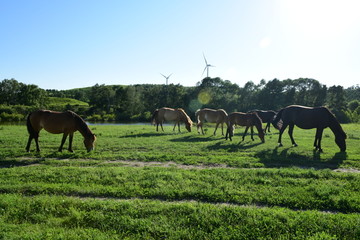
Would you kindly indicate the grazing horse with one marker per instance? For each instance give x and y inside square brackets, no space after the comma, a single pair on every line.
[58,122]
[169,114]
[307,118]
[213,116]
[267,116]
[244,119]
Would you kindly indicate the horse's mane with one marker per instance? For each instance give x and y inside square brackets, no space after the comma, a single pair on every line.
[197,112]
[256,117]
[222,110]
[83,128]
[185,116]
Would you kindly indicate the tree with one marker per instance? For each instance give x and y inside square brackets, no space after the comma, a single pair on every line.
[14,93]
[271,96]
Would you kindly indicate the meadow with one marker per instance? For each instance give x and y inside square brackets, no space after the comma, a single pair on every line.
[143,184]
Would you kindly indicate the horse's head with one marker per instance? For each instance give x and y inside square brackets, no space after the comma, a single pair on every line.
[340,141]
[188,125]
[262,135]
[230,132]
[89,142]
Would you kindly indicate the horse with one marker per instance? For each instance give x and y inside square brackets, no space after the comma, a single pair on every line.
[58,122]
[308,118]
[267,116]
[218,116]
[169,114]
[244,119]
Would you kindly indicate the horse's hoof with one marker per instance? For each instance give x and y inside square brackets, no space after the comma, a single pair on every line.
[295,145]
[280,145]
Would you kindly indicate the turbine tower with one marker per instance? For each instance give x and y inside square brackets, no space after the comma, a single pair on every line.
[207,66]
[166,77]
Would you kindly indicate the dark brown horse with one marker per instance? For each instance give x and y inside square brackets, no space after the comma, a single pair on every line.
[218,116]
[307,118]
[244,119]
[58,122]
[267,116]
[169,114]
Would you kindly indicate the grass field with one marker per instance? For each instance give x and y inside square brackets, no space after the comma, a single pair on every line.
[143,184]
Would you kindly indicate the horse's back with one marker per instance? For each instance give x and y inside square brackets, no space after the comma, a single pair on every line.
[168,114]
[212,115]
[53,122]
[307,117]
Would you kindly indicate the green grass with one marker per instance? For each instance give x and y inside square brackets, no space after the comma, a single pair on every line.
[62,102]
[143,184]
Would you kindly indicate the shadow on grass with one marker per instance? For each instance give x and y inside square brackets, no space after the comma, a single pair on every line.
[155,134]
[235,147]
[280,157]
[17,163]
[198,138]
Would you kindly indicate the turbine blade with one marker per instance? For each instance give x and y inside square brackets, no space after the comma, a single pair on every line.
[205,59]
[204,71]
[163,75]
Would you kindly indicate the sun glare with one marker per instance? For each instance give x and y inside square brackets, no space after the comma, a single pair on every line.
[321,17]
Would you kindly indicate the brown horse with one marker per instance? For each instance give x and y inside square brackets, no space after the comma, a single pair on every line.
[244,119]
[213,116]
[58,122]
[307,118]
[169,114]
[267,116]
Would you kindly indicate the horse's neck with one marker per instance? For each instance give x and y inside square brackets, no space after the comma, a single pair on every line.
[83,128]
[336,127]
[182,116]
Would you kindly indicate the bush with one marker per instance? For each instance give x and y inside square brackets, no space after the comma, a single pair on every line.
[94,118]
[12,117]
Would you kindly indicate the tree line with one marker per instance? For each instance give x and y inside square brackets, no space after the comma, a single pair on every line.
[137,102]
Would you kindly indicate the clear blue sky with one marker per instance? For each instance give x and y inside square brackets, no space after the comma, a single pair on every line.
[62,44]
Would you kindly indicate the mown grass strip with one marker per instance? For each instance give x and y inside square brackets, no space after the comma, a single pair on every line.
[40,216]
[292,188]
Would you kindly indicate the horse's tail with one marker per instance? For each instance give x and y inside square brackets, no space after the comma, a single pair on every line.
[277,122]
[154,116]
[29,127]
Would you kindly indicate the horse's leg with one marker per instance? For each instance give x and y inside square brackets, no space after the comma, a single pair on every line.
[37,142]
[291,129]
[267,127]
[71,135]
[63,141]
[28,143]
[246,129]
[217,125]
[281,132]
[252,132]
[179,126]
[161,125]
[318,137]
[34,135]
[222,128]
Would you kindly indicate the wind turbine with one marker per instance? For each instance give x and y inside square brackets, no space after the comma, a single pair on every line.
[166,77]
[207,65]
